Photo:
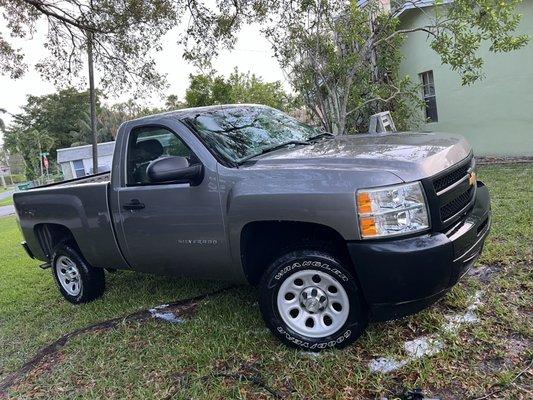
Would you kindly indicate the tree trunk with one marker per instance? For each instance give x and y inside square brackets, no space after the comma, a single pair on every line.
[373,51]
[92,100]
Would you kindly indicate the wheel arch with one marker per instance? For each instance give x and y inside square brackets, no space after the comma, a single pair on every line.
[261,242]
[50,235]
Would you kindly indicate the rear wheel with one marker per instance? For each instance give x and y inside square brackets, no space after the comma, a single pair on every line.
[78,281]
[311,301]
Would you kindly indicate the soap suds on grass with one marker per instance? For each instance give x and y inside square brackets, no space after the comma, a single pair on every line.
[159,312]
[468,317]
[168,317]
[414,349]
[423,346]
[427,345]
[384,364]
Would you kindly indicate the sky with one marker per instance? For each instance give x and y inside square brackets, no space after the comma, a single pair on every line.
[252,53]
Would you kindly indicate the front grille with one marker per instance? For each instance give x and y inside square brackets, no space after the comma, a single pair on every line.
[451,178]
[450,194]
[453,207]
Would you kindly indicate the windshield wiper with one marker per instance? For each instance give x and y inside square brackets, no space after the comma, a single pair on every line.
[320,136]
[274,147]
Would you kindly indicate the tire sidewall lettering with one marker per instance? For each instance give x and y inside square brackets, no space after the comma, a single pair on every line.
[310,264]
[313,346]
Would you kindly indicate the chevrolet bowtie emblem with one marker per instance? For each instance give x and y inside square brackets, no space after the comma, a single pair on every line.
[473,179]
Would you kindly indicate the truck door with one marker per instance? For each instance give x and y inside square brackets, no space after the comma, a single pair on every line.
[172,228]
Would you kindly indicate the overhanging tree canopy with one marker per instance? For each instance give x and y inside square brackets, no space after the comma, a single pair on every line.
[117,37]
[343,56]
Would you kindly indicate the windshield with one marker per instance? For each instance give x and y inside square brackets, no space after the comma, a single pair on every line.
[238,133]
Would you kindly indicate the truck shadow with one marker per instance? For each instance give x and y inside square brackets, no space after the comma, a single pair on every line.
[143,287]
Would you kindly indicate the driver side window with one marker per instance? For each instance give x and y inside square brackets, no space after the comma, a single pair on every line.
[150,143]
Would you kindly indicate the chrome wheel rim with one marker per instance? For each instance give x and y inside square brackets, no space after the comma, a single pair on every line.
[68,275]
[313,303]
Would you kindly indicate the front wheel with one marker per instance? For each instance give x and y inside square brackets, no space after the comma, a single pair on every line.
[310,301]
[78,281]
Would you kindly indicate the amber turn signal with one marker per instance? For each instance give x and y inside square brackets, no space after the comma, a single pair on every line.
[364,203]
[368,226]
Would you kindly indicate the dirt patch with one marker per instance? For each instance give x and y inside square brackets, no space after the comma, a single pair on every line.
[485,273]
[495,391]
[515,349]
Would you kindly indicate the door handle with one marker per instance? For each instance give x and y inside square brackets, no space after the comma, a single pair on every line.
[134,204]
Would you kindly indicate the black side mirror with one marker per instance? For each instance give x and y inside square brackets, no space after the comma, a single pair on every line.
[174,170]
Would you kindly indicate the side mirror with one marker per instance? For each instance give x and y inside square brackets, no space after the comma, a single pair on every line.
[174,170]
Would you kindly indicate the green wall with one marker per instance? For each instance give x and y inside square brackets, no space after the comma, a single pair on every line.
[495,114]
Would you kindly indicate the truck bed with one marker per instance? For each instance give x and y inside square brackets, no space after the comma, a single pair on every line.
[100,177]
[79,205]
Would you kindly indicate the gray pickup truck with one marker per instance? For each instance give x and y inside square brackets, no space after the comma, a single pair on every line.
[336,231]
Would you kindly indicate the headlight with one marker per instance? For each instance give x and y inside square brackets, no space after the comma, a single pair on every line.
[392,210]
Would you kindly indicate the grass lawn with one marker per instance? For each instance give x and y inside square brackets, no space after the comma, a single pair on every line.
[6,202]
[223,349]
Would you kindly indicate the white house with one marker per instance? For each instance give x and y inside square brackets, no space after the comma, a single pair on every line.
[77,162]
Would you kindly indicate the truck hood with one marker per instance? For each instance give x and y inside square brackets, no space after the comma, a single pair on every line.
[410,156]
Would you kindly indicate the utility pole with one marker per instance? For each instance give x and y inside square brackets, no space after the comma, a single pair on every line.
[3,179]
[92,100]
[2,171]
[41,180]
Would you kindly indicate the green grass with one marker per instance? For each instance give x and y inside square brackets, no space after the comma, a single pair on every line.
[227,336]
[6,202]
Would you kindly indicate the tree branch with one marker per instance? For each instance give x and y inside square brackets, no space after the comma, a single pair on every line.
[426,29]
[377,98]
[64,17]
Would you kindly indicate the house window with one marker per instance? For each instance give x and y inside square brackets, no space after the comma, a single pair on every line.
[79,170]
[428,94]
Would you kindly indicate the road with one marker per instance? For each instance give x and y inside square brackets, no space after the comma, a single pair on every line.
[6,194]
[7,210]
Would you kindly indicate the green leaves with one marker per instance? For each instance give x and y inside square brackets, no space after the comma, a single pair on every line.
[331,56]
[343,58]
[465,25]
[61,120]
[209,89]
[11,60]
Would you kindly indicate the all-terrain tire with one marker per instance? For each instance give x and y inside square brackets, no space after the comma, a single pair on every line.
[77,280]
[330,309]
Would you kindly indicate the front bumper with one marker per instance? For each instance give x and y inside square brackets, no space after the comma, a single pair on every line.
[403,276]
